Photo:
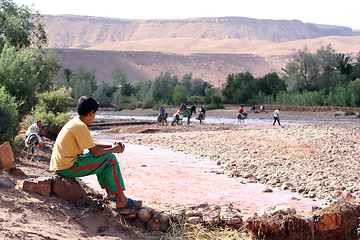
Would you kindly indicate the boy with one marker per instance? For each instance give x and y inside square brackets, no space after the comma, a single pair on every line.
[69,161]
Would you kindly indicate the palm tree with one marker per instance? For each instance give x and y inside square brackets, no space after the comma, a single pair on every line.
[343,64]
[68,74]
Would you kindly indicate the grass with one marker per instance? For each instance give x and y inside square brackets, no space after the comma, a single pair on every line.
[184,230]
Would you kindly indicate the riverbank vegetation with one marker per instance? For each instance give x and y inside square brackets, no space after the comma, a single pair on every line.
[32,81]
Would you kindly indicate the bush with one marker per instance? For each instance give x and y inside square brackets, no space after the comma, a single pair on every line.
[355,89]
[349,113]
[9,122]
[216,99]
[55,101]
[149,103]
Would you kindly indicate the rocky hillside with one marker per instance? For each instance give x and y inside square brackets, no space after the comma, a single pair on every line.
[210,48]
[67,31]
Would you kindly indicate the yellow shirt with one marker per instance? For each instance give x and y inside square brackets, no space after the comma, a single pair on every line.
[72,140]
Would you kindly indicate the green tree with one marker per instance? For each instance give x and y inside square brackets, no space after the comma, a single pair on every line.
[69,74]
[180,94]
[21,26]
[163,87]
[48,64]
[83,84]
[9,123]
[355,73]
[302,71]
[355,89]
[19,75]
[187,82]
[119,76]
[238,87]
[103,94]
[343,64]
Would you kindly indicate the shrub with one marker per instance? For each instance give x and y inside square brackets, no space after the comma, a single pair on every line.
[55,101]
[349,113]
[216,99]
[149,103]
[9,122]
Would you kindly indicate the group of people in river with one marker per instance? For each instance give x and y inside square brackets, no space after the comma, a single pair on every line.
[182,112]
[243,115]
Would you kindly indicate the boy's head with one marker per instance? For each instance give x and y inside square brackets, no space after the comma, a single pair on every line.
[85,105]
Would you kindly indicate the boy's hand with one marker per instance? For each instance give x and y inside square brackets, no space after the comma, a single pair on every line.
[118,147]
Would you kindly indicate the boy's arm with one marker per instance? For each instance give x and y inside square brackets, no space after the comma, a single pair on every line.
[100,150]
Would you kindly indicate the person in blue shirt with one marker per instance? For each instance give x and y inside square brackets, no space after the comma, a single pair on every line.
[162,112]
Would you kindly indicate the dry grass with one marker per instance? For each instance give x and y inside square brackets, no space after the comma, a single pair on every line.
[184,230]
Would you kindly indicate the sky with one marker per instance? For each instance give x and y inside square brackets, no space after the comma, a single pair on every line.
[330,12]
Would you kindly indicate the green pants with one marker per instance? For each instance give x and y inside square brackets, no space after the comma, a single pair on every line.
[105,167]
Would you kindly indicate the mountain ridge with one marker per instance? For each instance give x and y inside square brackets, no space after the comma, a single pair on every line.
[255,45]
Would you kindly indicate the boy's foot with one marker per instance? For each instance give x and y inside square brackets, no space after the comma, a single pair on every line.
[130,204]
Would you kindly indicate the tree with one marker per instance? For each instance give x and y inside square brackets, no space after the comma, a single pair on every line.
[343,64]
[302,71]
[21,26]
[83,84]
[355,89]
[163,87]
[9,123]
[238,87]
[180,94]
[48,64]
[187,82]
[19,75]
[312,71]
[119,76]
[68,74]
[103,94]
[270,84]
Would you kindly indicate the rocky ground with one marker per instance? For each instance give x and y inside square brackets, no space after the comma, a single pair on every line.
[319,161]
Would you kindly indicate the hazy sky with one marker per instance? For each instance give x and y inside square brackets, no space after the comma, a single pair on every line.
[330,12]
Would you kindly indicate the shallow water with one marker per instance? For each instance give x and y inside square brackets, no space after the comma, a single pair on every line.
[249,121]
[164,176]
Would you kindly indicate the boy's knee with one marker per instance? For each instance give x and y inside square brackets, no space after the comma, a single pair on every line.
[111,156]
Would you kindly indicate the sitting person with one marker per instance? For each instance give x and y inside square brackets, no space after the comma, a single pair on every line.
[161,111]
[177,117]
[37,130]
[201,115]
[68,158]
[242,112]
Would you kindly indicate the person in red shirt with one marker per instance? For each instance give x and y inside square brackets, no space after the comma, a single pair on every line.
[241,110]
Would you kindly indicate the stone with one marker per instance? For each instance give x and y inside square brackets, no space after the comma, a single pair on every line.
[69,189]
[16,172]
[138,223]
[41,186]
[144,215]
[6,155]
[282,209]
[194,220]
[346,194]
[153,225]
[267,189]
[131,216]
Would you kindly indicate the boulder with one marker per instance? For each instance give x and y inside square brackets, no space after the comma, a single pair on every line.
[6,155]
[69,189]
[42,187]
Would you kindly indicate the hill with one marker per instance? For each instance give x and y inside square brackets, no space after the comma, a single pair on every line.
[210,48]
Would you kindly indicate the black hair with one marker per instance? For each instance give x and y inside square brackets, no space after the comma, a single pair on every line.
[85,105]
